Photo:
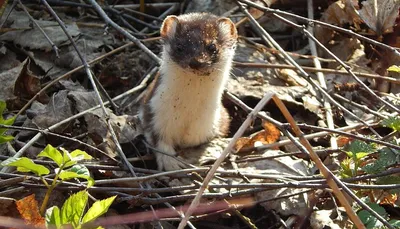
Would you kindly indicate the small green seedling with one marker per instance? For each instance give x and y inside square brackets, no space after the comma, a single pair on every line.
[8,122]
[356,152]
[393,123]
[67,168]
[72,211]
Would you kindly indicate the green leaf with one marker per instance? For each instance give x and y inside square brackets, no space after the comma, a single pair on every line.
[75,156]
[53,217]
[386,157]
[374,167]
[3,121]
[394,68]
[369,220]
[84,173]
[53,154]
[345,168]
[73,208]
[6,138]
[395,223]
[80,169]
[7,122]
[98,208]
[388,180]
[25,164]
[2,107]
[78,155]
[361,155]
[392,122]
[358,146]
[67,175]
[67,159]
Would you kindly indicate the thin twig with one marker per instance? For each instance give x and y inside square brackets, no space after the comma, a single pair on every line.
[312,69]
[108,21]
[290,60]
[344,65]
[56,135]
[53,82]
[222,157]
[336,131]
[321,77]
[20,152]
[359,106]
[93,82]
[320,23]
[53,46]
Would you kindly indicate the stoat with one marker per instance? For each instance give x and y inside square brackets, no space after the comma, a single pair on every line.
[182,107]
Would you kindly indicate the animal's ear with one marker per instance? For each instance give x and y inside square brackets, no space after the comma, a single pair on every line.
[168,27]
[227,27]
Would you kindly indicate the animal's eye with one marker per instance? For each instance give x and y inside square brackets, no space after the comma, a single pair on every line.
[212,48]
[179,48]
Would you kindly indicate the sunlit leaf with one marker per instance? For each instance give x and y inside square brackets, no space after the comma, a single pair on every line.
[25,164]
[3,121]
[73,208]
[53,217]
[53,154]
[98,208]
[78,155]
[6,138]
[68,175]
[392,122]
[394,68]
[67,158]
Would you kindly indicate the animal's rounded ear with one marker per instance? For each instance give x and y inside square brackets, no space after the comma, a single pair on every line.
[168,27]
[227,27]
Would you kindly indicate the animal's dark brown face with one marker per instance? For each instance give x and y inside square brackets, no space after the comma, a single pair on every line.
[198,42]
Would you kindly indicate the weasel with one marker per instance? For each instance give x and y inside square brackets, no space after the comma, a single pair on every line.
[182,107]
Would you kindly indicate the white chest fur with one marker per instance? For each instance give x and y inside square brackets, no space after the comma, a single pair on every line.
[186,106]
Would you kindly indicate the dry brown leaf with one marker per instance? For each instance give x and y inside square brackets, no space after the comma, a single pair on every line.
[342,141]
[269,135]
[338,13]
[29,210]
[380,17]
[272,132]
[243,142]
[389,199]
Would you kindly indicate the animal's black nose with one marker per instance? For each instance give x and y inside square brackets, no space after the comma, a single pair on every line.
[195,64]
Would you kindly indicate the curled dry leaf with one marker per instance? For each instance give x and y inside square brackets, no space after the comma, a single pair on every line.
[269,135]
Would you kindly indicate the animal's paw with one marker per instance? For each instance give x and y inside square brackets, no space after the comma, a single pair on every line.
[169,162]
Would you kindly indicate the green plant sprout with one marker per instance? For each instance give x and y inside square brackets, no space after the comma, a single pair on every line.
[67,168]
[393,123]
[356,152]
[72,211]
[9,122]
